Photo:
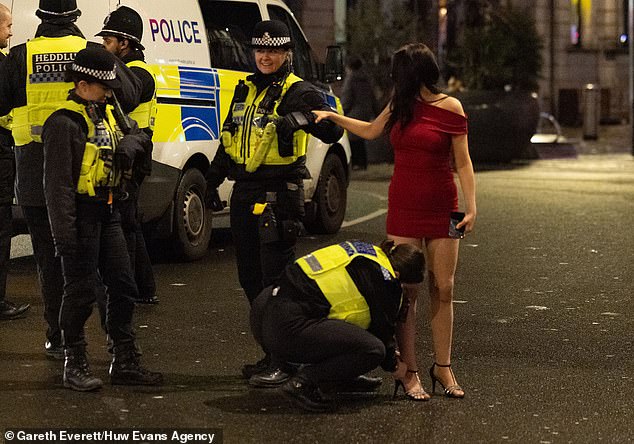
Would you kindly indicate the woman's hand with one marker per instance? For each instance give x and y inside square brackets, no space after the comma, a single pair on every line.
[323,115]
[468,222]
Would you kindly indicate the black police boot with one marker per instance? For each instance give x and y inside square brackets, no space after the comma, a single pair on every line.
[261,366]
[273,377]
[54,351]
[9,311]
[77,375]
[125,368]
[306,394]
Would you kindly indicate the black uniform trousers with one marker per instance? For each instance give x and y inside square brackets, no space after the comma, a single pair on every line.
[137,249]
[101,246]
[5,246]
[7,176]
[49,268]
[261,262]
[335,350]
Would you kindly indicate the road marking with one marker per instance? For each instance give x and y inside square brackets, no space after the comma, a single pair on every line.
[367,217]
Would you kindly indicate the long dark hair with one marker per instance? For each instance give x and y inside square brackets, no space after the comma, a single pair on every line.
[413,66]
[407,259]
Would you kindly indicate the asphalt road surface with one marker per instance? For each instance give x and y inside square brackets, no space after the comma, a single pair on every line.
[543,330]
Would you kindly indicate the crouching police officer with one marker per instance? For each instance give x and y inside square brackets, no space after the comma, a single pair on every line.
[335,311]
[264,150]
[84,155]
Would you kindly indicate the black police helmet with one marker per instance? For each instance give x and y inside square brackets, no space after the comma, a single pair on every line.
[125,23]
[53,9]
[97,64]
[271,34]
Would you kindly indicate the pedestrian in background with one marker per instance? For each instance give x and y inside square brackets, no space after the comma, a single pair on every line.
[263,148]
[335,311]
[358,101]
[8,310]
[122,33]
[84,160]
[428,132]
[33,97]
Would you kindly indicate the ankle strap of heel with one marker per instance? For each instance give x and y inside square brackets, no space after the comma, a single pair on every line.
[440,365]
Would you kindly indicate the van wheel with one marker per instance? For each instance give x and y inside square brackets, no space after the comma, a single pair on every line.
[192,221]
[330,198]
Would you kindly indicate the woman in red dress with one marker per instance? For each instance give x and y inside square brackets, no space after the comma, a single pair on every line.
[428,132]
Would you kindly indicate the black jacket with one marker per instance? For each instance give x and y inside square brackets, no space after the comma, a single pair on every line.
[301,96]
[64,138]
[382,295]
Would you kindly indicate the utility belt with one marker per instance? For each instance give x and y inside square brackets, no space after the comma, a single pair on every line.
[280,213]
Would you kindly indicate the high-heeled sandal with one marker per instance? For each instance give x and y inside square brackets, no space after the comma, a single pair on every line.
[413,395]
[450,390]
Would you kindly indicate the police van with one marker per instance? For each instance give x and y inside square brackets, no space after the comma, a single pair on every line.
[199,50]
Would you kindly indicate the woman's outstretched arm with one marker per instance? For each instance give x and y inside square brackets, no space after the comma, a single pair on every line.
[366,130]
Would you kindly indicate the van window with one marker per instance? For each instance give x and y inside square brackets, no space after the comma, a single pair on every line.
[302,61]
[229,26]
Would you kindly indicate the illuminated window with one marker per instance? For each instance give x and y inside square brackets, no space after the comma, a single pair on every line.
[576,22]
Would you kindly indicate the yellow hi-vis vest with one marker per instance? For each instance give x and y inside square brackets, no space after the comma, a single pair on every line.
[46,61]
[97,168]
[242,146]
[327,267]
[145,113]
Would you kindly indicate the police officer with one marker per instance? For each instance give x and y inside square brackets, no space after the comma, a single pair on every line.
[57,40]
[264,150]
[8,310]
[84,159]
[335,311]
[122,33]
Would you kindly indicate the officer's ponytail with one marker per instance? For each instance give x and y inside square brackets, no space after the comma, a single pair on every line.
[407,259]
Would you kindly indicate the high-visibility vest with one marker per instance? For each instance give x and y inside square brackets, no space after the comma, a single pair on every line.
[242,145]
[46,62]
[97,165]
[327,267]
[145,113]
[6,122]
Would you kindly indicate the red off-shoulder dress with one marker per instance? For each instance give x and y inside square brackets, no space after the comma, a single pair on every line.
[422,191]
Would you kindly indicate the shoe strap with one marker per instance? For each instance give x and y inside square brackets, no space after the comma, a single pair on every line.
[412,371]
[440,365]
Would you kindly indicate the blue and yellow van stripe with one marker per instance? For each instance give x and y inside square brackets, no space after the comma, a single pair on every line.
[191,102]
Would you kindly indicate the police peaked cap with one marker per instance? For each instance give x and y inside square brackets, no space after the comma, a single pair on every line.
[124,23]
[52,9]
[271,34]
[97,64]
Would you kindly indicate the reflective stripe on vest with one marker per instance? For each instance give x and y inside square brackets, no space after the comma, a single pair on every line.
[97,162]
[327,267]
[46,60]
[241,147]
[145,113]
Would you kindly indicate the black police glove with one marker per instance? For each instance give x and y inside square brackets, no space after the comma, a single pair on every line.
[291,122]
[212,200]
[122,160]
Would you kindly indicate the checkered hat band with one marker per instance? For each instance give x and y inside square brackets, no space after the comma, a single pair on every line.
[96,73]
[49,77]
[61,14]
[122,34]
[270,41]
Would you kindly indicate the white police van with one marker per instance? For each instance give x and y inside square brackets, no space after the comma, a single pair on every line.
[198,51]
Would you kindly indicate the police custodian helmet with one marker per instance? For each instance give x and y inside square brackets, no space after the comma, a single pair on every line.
[124,23]
[271,34]
[52,9]
[97,64]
